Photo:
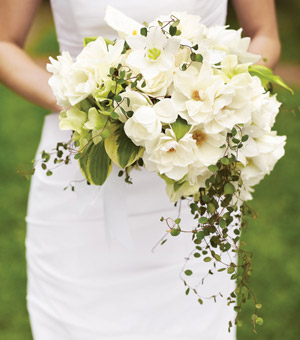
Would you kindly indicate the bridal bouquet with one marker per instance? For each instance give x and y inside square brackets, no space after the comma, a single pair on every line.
[187,102]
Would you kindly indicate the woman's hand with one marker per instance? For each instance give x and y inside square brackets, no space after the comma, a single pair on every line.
[17,70]
[258,20]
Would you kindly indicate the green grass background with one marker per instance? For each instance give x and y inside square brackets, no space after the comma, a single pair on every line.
[274,237]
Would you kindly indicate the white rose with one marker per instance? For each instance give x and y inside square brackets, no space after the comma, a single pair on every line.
[157,86]
[143,126]
[136,100]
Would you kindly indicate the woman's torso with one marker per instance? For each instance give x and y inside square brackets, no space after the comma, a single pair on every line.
[76,19]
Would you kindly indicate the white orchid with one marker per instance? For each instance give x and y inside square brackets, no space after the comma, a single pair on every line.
[152,54]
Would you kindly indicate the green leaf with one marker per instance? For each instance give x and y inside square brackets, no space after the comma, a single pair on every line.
[88,40]
[200,301]
[203,219]
[213,168]
[217,257]
[95,164]
[222,223]
[180,127]
[211,208]
[172,30]
[230,270]
[120,148]
[225,161]
[144,31]
[200,235]
[175,231]
[205,198]
[207,259]
[266,75]
[188,272]
[259,321]
[229,188]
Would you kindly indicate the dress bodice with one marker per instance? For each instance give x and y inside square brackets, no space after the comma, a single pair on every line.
[76,19]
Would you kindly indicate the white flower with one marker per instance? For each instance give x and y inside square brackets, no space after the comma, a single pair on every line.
[98,58]
[265,110]
[81,83]
[233,106]
[71,82]
[72,119]
[136,100]
[208,146]
[230,67]
[189,24]
[249,148]
[157,86]
[152,54]
[186,189]
[60,69]
[168,156]
[200,92]
[120,22]
[271,149]
[231,41]
[143,126]
[166,110]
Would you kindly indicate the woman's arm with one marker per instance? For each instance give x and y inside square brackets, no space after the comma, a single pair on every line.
[17,70]
[258,19]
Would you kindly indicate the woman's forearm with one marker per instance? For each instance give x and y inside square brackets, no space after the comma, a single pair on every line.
[268,48]
[21,74]
[258,19]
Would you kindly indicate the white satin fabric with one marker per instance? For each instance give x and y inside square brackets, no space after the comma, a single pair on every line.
[88,283]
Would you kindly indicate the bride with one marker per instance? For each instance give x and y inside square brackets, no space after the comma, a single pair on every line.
[85,282]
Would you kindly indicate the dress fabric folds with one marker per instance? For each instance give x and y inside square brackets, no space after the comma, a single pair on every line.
[85,282]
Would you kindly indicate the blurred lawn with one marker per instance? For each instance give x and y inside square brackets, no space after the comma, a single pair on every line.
[274,237]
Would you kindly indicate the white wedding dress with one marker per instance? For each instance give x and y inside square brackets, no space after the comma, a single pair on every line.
[91,274]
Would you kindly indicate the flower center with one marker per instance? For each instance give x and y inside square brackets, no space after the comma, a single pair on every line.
[200,137]
[134,32]
[198,95]
[153,53]
[172,150]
